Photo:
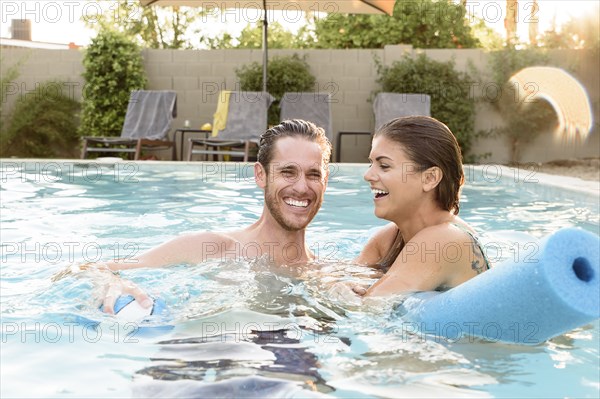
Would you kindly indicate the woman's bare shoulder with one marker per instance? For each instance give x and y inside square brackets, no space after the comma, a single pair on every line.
[445,232]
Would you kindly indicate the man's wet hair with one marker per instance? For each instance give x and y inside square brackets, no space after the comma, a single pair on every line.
[292,128]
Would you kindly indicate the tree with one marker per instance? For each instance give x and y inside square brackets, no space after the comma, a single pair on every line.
[581,33]
[534,21]
[251,38]
[149,27]
[278,37]
[225,41]
[420,23]
[488,38]
[510,22]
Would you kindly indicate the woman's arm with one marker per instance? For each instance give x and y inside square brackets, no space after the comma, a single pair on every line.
[378,245]
[433,258]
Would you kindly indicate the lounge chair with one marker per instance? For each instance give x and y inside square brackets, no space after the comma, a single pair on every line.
[147,124]
[313,107]
[388,106]
[240,120]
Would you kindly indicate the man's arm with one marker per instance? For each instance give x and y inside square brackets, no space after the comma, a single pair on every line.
[188,248]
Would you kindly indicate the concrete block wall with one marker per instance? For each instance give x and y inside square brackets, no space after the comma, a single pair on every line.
[348,75]
[38,66]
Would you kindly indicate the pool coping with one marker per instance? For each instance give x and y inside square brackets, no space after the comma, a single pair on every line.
[532,176]
[493,172]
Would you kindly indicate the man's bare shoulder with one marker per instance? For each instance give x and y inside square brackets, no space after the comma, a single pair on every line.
[207,237]
[206,240]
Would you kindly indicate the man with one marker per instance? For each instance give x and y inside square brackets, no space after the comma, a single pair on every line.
[292,170]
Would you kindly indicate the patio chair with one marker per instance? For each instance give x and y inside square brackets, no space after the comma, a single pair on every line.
[147,124]
[388,106]
[244,122]
[313,107]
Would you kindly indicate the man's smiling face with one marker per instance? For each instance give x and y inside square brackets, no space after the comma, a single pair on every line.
[295,182]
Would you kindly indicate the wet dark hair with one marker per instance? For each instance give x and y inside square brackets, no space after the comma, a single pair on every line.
[427,142]
[292,128]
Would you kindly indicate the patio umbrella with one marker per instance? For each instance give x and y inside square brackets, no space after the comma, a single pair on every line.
[327,6]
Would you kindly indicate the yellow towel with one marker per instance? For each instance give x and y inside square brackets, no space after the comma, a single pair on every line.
[220,116]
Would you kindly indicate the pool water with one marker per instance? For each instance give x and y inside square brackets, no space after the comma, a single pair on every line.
[247,328]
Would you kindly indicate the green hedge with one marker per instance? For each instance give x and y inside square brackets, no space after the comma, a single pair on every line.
[113,68]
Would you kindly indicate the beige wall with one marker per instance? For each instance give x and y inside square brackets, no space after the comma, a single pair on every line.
[349,75]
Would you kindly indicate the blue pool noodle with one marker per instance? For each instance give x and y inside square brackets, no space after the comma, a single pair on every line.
[524,301]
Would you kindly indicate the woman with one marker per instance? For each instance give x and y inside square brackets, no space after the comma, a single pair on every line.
[415,176]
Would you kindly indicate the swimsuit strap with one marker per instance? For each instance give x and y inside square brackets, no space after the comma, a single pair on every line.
[476,241]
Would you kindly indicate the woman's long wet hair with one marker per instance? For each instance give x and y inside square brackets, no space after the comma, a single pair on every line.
[427,142]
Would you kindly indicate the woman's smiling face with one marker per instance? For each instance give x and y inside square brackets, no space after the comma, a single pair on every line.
[395,180]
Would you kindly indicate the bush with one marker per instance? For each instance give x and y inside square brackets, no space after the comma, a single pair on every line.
[285,74]
[113,68]
[451,100]
[43,124]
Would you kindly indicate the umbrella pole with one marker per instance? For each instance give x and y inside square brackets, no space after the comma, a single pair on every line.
[265,46]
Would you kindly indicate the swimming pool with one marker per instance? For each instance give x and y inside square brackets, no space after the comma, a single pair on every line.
[246,329]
